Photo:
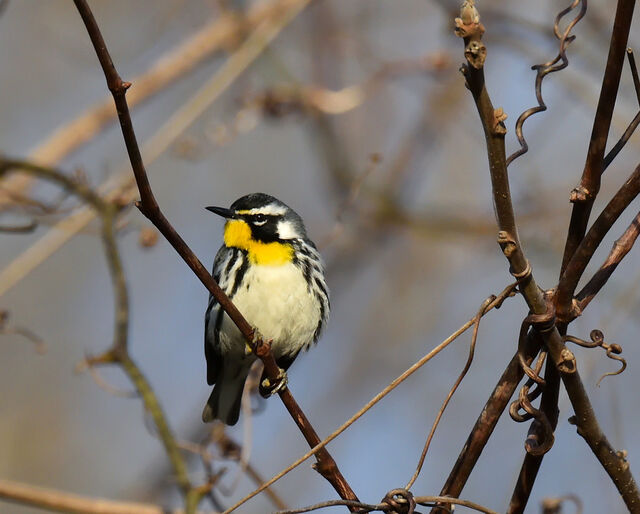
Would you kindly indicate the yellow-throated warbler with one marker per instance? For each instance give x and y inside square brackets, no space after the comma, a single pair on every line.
[274,275]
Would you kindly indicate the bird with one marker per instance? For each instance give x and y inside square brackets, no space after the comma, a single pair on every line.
[274,275]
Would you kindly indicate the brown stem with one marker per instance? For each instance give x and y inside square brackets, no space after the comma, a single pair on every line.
[584,195]
[531,463]
[62,501]
[621,247]
[119,351]
[585,250]
[150,208]
[485,424]
[614,464]
[579,219]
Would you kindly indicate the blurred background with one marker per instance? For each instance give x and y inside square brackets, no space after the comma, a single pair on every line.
[357,117]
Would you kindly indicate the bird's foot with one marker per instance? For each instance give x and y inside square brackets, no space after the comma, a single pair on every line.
[256,342]
[267,388]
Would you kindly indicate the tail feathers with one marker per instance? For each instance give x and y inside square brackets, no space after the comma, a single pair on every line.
[226,397]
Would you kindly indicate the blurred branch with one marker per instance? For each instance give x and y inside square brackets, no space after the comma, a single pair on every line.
[121,186]
[394,383]
[25,228]
[7,328]
[281,100]
[219,34]
[119,351]
[231,450]
[554,505]
[69,503]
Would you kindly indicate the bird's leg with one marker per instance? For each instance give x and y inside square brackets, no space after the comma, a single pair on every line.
[267,388]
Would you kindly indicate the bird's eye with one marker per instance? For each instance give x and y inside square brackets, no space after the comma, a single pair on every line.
[259,219]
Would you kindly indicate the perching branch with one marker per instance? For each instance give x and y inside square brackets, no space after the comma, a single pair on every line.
[149,207]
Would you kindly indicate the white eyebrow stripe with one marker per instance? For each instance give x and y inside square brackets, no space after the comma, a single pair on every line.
[270,210]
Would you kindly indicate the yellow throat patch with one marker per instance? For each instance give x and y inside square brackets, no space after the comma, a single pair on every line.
[237,234]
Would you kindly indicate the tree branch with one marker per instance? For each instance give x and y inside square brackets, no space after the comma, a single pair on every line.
[531,463]
[149,207]
[486,423]
[587,247]
[621,247]
[118,354]
[471,30]
[69,503]
[584,195]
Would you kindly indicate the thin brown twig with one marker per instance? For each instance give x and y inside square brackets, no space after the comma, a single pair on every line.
[394,383]
[385,507]
[585,193]
[476,325]
[634,72]
[587,247]
[486,423]
[613,153]
[621,247]
[532,462]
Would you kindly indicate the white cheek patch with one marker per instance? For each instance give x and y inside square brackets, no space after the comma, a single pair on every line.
[287,230]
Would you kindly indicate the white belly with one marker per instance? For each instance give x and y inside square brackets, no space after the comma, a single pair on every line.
[276,301]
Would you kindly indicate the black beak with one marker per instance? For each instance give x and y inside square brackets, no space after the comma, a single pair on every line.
[221,211]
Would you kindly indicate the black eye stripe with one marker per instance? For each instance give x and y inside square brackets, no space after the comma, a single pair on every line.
[260,218]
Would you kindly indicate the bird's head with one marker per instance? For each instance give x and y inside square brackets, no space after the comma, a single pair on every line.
[262,225]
